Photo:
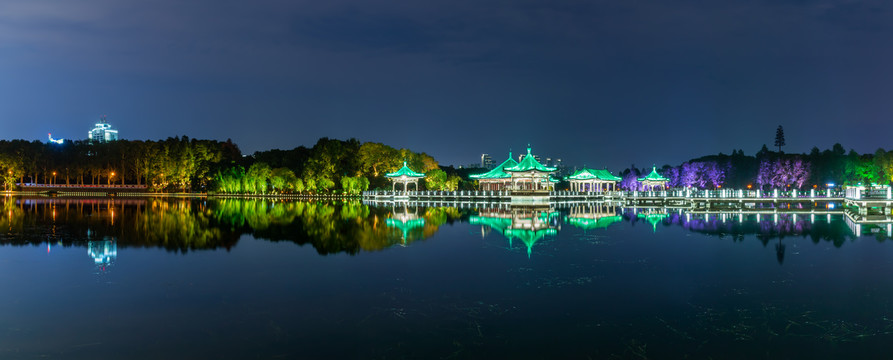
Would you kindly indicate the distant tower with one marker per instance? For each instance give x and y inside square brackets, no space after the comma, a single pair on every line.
[102,132]
[486,161]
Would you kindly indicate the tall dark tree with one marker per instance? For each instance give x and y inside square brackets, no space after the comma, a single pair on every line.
[779,137]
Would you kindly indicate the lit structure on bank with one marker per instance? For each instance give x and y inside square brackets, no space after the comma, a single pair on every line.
[404,176]
[55,141]
[496,178]
[102,132]
[653,181]
[531,175]
[591,180]
[527,174]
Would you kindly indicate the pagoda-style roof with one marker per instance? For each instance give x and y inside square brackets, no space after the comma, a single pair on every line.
[404,171]
[589,224]
[654,176]
[529,163]
[593,174]
[497,172]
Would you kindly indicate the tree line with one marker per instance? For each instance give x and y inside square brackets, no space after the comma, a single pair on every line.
[181,164]
[774,169]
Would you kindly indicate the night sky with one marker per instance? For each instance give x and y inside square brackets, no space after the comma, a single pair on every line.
[600,83]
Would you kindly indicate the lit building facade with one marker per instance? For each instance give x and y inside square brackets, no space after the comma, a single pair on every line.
[486,161]
[102,132]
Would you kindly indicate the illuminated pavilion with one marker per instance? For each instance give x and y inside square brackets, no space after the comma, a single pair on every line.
[497,178]
[591,180]
[404,176]
[529,174]
[653,181]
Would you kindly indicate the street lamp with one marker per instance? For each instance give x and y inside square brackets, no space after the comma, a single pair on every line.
[111,175]
[54,178]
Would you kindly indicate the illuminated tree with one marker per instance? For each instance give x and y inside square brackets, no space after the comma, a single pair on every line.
[436,180]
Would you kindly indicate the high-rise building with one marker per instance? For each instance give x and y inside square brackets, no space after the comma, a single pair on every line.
[103,132]
[486,161]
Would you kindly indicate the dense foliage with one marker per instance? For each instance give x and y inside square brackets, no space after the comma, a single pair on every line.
[768,169]
[183,164]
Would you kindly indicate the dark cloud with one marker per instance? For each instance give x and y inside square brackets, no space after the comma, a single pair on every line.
[600,82]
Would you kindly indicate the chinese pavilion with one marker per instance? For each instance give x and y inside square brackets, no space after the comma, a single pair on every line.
[404,176]
[653,180]
[590,180]
[530,175]
[497,178]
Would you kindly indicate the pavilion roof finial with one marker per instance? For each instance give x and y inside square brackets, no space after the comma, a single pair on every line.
[528,148]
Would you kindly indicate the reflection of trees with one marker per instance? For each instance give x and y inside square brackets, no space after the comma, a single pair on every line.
[765,227]
[352,227]
[175,225]
[190,224]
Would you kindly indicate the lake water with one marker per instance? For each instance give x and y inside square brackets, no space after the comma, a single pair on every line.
[174,278]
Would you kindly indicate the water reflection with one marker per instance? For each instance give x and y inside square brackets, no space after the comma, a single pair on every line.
[103,252]
[202,224]
[528,224]
[184,225]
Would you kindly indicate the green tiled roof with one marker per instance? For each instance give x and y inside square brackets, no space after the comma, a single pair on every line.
[404,171]
[654,176]
[588,224]
[592,174]
[497,172]
[529,163]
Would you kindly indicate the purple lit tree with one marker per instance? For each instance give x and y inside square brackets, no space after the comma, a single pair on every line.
[714,174]
[781,173]
[674,176]
[764,177]
[689,174]
[629,182]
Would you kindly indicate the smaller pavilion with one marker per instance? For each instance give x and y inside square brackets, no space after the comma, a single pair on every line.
[531,175]
[404,176]
[496,178]
[653,181]
[591,180]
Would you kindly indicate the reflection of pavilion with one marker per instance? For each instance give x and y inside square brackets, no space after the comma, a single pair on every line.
[653,216]
[103,252]
[526,223]
[593,216]
[405,221]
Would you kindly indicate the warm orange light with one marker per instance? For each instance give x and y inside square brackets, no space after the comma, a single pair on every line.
[749,186]
[113,173]
[54,173]
[815,186]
